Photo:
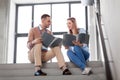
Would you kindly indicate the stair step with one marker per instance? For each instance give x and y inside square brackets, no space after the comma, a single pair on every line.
[49,71]
[25,71]
[46,65]
[67,77]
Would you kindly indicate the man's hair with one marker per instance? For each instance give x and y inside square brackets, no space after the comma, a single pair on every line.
[44,16]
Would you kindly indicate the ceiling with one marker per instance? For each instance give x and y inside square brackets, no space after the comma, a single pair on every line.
[39,1]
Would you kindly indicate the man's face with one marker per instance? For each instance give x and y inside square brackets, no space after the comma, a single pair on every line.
[46,22]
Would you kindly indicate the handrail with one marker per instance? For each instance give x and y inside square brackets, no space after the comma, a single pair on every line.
[106,60]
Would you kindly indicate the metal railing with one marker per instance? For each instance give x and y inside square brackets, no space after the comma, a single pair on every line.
[106,60]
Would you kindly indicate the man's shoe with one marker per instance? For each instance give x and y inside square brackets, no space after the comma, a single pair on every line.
[86,71]
[66,72]
[40,73]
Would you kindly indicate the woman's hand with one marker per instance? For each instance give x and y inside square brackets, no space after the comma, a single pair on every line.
[77,43]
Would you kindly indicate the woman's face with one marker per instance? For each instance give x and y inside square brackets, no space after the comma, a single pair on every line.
[70,24]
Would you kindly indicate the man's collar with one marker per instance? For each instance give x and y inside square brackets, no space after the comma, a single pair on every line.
[40,27]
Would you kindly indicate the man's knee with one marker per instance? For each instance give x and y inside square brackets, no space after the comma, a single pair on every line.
[56,48]
[38,45]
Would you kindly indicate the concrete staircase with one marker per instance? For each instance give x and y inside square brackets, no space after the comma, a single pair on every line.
[26,71]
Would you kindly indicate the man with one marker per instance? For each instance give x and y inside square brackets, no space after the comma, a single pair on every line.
[38,53]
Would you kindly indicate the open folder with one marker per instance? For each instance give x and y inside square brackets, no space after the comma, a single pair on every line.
[50,41]
[68,38]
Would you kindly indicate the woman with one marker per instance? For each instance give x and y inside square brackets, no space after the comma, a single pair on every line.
[78,54]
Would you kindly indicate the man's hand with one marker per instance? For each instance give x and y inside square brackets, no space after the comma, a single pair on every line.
[66,47]
[36,41]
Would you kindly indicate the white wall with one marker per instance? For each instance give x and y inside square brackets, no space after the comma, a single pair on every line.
[92,32]
[4,25]
[111,20]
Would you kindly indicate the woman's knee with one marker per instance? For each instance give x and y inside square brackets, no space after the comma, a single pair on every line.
[69,53]
[77,49]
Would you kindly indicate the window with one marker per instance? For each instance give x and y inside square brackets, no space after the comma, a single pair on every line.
[24,19]
[29,16]
[60,13]
[38,11]
[78,11]
[24,23]
[22,50]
